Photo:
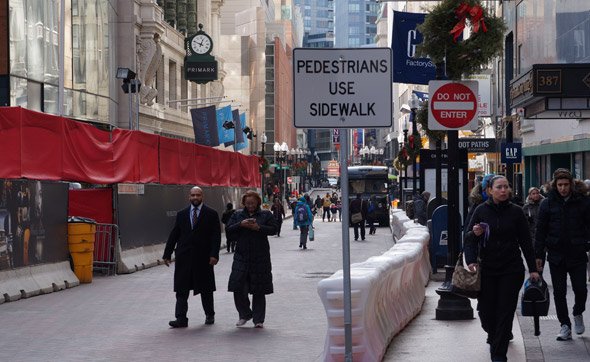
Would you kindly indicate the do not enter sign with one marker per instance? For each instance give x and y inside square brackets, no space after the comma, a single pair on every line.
[453,105]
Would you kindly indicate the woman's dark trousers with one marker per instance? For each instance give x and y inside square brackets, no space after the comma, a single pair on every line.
[496,304]
[258,310]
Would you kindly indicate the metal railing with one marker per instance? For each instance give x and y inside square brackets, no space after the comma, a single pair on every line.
[105,246]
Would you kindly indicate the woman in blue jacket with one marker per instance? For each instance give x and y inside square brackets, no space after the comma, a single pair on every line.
[499,229]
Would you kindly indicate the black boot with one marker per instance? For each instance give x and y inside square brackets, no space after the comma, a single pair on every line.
[178,323]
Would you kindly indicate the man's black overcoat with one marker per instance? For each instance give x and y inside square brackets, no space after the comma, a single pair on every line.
[194,247]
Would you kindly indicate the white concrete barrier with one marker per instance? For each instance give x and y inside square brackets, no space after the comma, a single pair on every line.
[387,293]
[132,260]
[34,280]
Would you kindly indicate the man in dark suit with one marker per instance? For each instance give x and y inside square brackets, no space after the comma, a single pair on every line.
[197,238]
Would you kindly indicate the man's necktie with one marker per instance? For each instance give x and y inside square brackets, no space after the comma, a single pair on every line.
[194,217]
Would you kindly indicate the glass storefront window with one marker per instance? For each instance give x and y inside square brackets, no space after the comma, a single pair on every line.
[34,56]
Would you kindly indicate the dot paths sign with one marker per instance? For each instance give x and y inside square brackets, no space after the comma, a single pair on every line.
[452,105]
[342,88]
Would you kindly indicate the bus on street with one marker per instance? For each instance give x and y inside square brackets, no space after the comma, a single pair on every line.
[372,183]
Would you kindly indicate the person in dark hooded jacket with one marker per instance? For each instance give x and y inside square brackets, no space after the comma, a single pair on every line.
[531,209]
[477,196]
[562,235]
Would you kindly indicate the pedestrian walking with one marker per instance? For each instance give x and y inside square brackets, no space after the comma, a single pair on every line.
[303,218]
[531,209]
[334,211]
[420,207]
[477,196]
[371,217]
[562,237]
[229,211]
[326,202]
[499,231]
[359,207]
[251,271]
[278,211]
[195,240]
[318,204]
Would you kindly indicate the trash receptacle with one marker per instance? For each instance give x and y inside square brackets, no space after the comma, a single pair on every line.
[81,236]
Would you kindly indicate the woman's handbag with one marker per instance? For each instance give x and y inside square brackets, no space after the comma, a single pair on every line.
[310,233]
[356,217]
[465,283]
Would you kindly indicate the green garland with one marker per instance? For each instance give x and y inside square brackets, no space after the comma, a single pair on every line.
[462,57]
[422,118]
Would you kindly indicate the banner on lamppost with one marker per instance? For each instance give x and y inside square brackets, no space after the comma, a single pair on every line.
[405,39]
[336,136]
[242,121]
[333,169]
[226,136]
[205,126]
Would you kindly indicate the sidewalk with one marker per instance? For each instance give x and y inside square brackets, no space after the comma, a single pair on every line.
[125,317]
[428,339]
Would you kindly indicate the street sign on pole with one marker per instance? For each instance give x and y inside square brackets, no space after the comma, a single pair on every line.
[452,105]
[342,88]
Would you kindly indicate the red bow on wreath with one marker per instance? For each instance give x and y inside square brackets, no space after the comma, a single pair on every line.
[476,15]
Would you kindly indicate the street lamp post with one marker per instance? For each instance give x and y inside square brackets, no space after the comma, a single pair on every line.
[405,130]
[263,140]
[373,152]
[414,103]
[284,150]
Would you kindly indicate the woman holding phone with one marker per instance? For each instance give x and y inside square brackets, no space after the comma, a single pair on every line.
[499,230]
[251,271]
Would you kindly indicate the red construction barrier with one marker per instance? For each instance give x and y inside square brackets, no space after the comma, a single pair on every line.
[39,146]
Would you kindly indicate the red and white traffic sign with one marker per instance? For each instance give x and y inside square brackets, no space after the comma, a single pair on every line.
[453,105]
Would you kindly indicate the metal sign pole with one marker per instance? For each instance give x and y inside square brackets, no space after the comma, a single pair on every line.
[345,245]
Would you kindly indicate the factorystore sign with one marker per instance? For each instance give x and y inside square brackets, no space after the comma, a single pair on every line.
[342,88]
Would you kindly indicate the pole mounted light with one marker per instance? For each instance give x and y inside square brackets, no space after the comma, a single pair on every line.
[414,104]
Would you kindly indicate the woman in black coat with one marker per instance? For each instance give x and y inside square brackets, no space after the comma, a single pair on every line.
[251,270]
[499,229]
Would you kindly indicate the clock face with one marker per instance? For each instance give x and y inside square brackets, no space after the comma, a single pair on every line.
[201,44]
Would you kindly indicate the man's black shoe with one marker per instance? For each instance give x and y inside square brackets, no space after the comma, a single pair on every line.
[209,320]
[179,323]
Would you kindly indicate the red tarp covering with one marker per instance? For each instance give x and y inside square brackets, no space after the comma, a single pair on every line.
[96,204]
[44,147]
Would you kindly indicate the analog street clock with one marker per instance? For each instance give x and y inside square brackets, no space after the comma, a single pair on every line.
[199,65]
[201,44]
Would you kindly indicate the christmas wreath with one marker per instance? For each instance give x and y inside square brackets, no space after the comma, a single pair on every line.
[443,27]
[408,152]
[402,160]
[422,118]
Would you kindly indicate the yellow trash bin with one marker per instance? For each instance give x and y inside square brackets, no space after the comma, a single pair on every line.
[81,236]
